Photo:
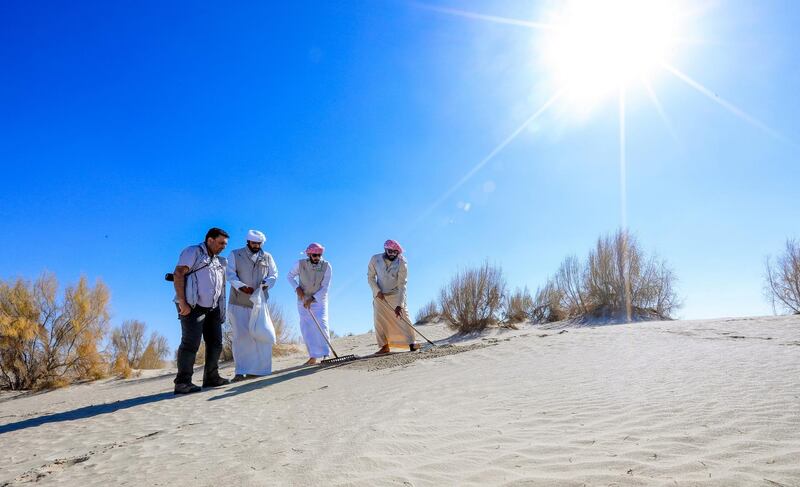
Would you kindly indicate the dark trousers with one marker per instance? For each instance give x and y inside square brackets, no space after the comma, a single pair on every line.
[205,323]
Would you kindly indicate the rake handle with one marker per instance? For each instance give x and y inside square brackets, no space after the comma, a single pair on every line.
[406,322]
[321,332]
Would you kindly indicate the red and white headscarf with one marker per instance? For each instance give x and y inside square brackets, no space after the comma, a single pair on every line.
[314,248]
[392,245]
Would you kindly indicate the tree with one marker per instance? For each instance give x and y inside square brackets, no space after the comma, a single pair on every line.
[128,340]
[155,353]
[782,279]
[47,342]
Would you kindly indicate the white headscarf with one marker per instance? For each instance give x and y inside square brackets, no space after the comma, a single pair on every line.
[256,236]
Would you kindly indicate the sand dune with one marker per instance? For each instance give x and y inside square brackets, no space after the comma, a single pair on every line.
[714,402]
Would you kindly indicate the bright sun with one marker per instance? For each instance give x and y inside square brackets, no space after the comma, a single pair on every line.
[596,48]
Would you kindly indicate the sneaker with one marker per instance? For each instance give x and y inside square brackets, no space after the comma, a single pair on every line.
[186,388]
[219,381]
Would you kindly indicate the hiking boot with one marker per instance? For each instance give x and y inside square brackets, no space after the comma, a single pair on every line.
[219,381]
[186,388]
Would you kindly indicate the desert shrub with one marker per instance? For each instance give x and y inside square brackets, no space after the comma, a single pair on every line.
[155,353]
[473,298]
[127,340]
[121,368]
[285,341]
[427,313]
[517,306]
[617,281]
[546,306]
[46,341]
[570,282]
[621,281]
[782,279]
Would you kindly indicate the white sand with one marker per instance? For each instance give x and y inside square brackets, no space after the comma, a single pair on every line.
[713,402]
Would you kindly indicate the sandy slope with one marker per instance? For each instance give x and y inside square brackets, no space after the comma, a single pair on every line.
[713,402]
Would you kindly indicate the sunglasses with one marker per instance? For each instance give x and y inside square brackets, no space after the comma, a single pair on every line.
[390,251]
[316,255]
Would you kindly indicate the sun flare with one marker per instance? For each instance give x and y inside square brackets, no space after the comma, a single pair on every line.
[597,48]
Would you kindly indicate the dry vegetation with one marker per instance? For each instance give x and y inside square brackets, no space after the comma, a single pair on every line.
[618,281]
[128,349]
[49,342]
[473,299]
[517,306]
[782,277]
[428,313]
[286,342]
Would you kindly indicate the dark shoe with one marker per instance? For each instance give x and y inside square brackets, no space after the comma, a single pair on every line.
[219,381]
[413,347]
[238,378]
[186,388]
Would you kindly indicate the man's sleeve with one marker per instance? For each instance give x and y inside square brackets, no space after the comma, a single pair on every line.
[272,273]
[188,257]
[292,275]
[402,280]
[371,278]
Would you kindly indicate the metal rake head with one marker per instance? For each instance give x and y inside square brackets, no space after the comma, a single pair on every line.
[339,360]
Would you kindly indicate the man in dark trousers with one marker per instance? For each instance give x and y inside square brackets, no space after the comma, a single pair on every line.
[200,296]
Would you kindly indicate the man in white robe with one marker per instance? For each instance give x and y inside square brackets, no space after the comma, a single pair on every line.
[387,275]
[311,278]
[249,269]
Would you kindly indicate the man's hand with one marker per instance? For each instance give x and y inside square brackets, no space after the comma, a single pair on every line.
[380,296]
[184,308]
[398,311]
[246,289]
[308,301]
[301,296]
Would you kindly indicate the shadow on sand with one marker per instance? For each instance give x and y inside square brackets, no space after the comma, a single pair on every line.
[276,377]
[99,409]
[84,412]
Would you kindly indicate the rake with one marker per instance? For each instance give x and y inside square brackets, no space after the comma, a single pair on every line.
[336,358]
[407,322]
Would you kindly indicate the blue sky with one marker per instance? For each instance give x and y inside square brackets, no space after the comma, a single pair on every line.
[126,130]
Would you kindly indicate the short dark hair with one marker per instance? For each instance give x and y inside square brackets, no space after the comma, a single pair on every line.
[216,232]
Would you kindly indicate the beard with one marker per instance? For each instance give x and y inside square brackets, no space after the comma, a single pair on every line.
[389,256]
[251,249]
